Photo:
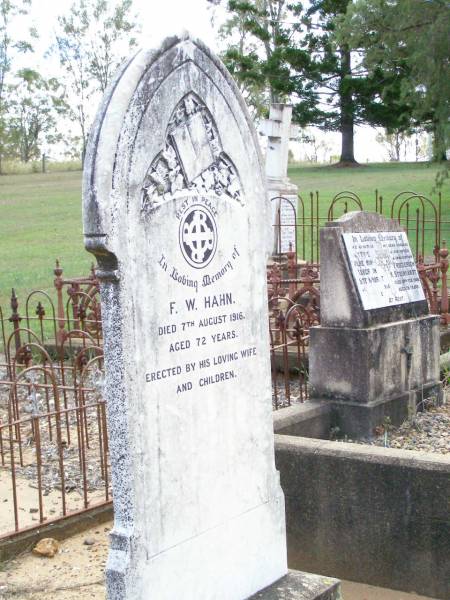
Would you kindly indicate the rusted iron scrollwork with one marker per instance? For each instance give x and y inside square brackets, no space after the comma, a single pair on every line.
[53,436]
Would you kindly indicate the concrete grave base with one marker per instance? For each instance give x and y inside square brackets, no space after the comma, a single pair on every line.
[375,372]
[360,420]
[297,585]
[374,515]
[309,419]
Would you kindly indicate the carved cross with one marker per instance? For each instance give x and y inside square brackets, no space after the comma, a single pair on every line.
[279,130]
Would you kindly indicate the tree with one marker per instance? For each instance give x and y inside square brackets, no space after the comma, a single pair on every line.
[242,61]
[34,105]
[301,60]
[312,146]
[393,142]
[409,39]
[278,61]
[9,48]
[91,41]
[353,95]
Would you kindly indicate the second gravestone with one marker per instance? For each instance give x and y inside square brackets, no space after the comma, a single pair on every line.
[172,209]
[375,354]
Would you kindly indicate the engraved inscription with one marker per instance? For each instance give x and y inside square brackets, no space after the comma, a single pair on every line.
[287,226]
[383,268]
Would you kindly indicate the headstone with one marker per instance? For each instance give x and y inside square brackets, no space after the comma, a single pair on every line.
[375,354]
[282,193]
[285,223]
[172,210]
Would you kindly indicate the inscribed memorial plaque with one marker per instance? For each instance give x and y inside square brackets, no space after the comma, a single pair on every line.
[383,268]
[287,225]
[375,353]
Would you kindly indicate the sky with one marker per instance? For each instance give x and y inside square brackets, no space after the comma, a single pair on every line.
[160,19]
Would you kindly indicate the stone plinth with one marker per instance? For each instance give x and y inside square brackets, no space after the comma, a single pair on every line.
[297,585]
[375,363]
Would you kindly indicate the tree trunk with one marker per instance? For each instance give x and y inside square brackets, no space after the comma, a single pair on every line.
[439,153]
[397,147]
[347,109]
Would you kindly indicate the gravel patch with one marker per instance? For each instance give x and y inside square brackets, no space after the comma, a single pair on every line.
[427,431]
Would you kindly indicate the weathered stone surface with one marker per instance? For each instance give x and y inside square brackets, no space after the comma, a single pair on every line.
[46,547]
[375,363]
[172,210]
[364,365]
[301,586]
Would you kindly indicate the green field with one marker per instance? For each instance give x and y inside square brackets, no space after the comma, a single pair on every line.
[41,215]
[40,222]
[388,178]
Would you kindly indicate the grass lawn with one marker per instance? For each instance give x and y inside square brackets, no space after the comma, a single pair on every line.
[388,178]
[40,222]
[41,215]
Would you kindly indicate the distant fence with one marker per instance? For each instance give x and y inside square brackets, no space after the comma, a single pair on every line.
[423,220]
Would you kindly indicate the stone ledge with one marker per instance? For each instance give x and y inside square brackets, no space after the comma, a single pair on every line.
[309,419]
[297,585]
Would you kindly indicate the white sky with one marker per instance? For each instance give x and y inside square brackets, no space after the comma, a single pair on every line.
[158,19]
[161,18]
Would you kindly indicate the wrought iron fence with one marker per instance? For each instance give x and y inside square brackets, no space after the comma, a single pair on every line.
[423,219]
[57,325]
[54,458]
[288,351]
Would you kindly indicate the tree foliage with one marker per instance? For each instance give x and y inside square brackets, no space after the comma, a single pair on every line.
[410,41]
[296,53]
[10,47]
[35,103]
[91,41]
[275,57]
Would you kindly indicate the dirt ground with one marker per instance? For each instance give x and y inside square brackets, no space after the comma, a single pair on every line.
[76,573]
[28,502]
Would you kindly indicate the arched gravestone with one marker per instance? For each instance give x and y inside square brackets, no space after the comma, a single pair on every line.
[173,184]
